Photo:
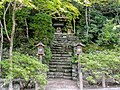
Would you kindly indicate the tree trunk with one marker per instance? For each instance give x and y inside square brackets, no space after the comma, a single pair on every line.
[11,42]
[86,18]
[26,28]
[74,25]
[118,20]
[1,44]
[89,15]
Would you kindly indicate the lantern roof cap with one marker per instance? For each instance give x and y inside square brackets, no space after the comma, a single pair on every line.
[79,44]
[40,44]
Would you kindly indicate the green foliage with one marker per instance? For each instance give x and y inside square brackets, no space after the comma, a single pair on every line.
[48,54]
[70,10]
[27,3]
[109,34]
[1,8]
[98,15]
[58,8]
[101,62]
[92,48]
[40,29]
[22,14]
[24,67]
[42,25]
[96,19]
[96,23]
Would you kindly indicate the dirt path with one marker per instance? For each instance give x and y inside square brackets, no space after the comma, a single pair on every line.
[117,88]
[63,84]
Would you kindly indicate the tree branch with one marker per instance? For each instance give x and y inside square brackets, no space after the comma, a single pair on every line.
[5,11]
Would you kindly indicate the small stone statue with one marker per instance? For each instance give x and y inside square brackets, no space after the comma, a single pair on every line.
[59,30]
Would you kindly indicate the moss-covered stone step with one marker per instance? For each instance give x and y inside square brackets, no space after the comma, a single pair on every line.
[61,55]
[60,66]
[61,77]
[60,70]
[60,58]
[59,63]
[60,74]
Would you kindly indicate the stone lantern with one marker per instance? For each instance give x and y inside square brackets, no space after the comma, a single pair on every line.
[40,52]
[78,52]
[79,48]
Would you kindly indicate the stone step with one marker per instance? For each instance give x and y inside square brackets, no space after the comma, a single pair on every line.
[59,63]
[53,53]
[54,48]
[61,66]
[60,70]
[67,39]
[59,74]
[66,49]
[69,70]
[61,55]
[59,59]
[61,45]
[61,35]
[63,41]
[61,77]
[60,38]
[63,49]
[58,44]
[60,51]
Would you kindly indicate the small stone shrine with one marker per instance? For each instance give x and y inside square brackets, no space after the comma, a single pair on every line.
[59,23]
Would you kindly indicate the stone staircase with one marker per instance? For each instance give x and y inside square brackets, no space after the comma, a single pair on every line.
[62,49]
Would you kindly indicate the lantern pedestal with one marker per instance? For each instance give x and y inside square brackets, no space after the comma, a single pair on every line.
[40,58]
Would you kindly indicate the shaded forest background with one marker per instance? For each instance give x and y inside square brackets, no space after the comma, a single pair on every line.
[100,26]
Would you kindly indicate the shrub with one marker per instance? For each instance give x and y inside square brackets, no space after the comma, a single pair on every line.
[95,64]
[24,67]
